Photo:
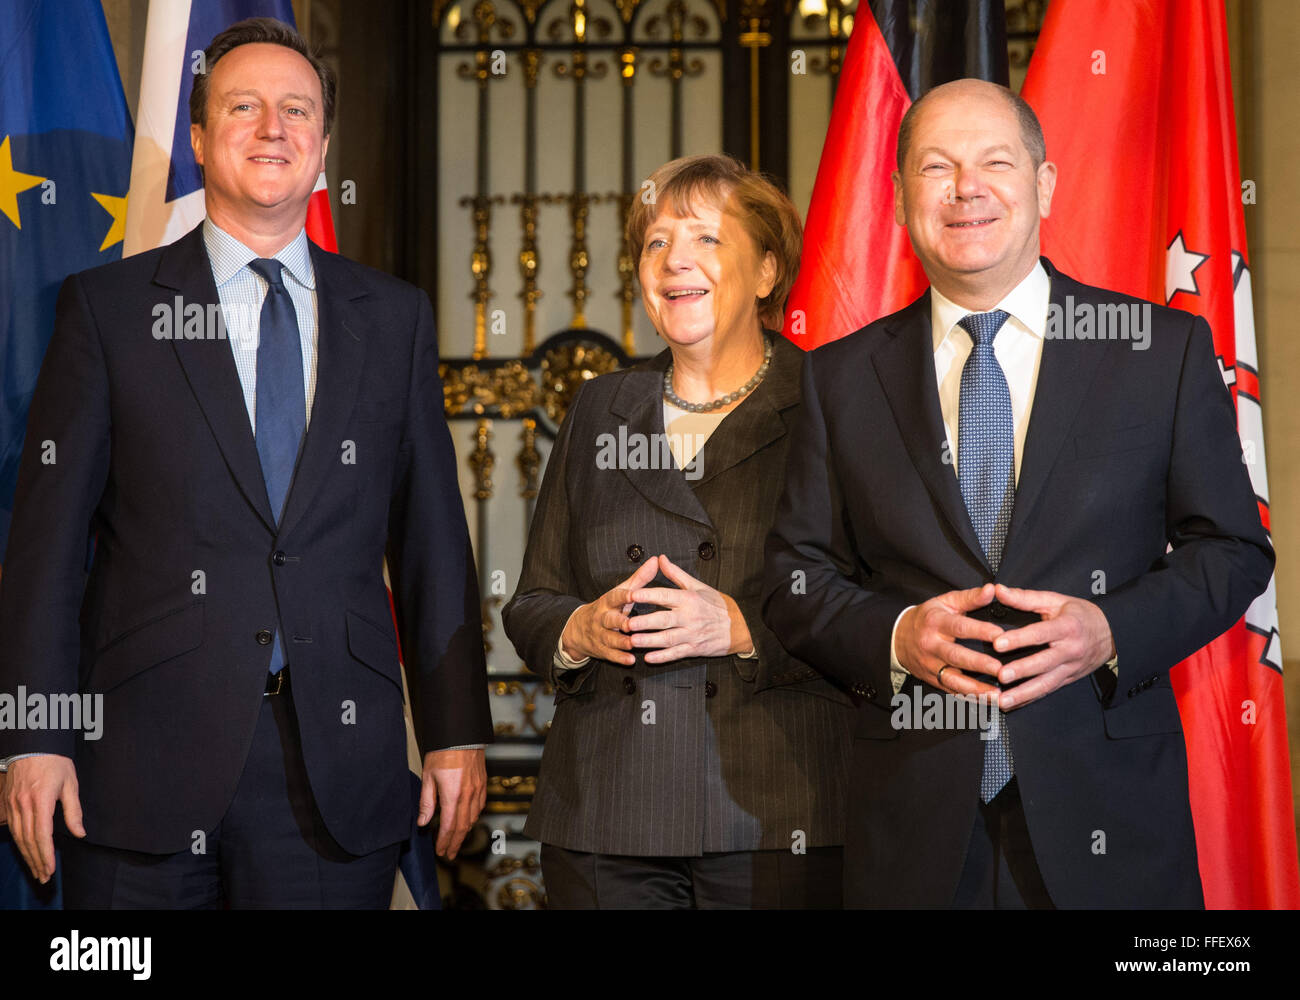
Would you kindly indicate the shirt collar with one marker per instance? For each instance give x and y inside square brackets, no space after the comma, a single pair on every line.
[229,256]
[1027,303]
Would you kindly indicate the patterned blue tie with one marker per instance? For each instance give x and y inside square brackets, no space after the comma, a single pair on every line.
[986,471]
[281,401]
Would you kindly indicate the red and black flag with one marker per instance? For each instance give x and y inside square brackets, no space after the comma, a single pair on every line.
[857,263]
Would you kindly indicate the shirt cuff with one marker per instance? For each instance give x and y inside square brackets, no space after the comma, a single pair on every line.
[469,746]
[897,672]
[562,660]
[6,761]
[751,655]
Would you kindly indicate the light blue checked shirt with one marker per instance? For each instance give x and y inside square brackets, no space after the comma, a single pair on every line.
[242,292]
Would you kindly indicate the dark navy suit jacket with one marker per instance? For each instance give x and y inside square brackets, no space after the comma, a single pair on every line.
[1128,453]
[154,457]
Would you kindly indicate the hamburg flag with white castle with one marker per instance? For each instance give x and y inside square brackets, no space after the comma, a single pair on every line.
[166,199]
[1135,98]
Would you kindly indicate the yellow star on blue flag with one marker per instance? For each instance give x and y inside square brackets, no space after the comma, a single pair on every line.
[12,184]
[116,207]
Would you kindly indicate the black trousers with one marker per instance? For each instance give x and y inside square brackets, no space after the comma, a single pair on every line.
[1001,872]
[760,880]
[270,851]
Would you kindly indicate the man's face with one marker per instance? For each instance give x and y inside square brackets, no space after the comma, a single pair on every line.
[969,193]
[264,144]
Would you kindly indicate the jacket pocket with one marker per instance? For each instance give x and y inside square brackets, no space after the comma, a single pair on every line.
[579,681]
[1146,714]
[146,645]
[374,647]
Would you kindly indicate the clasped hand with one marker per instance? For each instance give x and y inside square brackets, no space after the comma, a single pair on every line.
[1075,632]
[695,620]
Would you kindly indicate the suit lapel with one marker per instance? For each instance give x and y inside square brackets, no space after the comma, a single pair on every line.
[639,402]
[340,353]
[209,367]
[1065,375]
[757,421]
[905,366]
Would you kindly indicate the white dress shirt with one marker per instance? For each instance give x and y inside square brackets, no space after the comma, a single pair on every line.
[1018,347]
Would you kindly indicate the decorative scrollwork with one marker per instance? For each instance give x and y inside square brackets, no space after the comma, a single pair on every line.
[527,711]
[565,368]
[511,784]
[676,21]
[509,864]
[529,461]
[483,20]
[1026,15]
[486,607]
[519,894]
[506,390]
[482,460]
[513,390]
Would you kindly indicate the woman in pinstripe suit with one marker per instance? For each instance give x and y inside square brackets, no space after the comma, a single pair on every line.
[691,761]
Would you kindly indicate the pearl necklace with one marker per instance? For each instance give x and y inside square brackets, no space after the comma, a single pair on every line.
[721,401]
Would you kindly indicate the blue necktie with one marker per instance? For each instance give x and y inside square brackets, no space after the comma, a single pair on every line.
[986,471]
[281,402]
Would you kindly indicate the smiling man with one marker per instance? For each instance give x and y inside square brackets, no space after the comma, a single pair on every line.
[241,494]
[977,507]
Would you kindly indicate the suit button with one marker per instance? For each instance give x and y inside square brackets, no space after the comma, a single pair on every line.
[998,611]
[1132,691]
[629,685]
[707,550]
[635,552]
[710,689]
[264,637]
[857,689]
[278,558]
[870,693]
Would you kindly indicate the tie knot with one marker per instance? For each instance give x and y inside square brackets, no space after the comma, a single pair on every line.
[983,327]
[268,268]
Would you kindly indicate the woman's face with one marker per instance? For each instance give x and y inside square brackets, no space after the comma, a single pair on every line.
[702,275]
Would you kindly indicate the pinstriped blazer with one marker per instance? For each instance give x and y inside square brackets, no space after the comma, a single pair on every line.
[699,755]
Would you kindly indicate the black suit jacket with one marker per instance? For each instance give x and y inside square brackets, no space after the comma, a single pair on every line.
[1127,452]
[155,456]
[742,754]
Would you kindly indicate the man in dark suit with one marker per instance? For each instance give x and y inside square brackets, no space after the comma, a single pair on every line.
[979,502]
[243,483]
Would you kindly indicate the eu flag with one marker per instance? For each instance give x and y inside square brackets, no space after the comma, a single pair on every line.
[65,164]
